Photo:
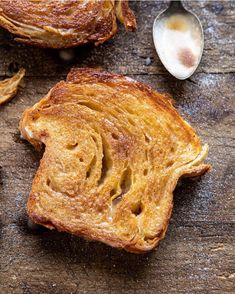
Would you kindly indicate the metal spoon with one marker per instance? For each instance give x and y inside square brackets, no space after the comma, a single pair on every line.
[180,46]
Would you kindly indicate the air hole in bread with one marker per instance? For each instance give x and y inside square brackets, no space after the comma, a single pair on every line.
[106,162]
[146,154]
[126,181]
[136,210]
[116,200]
[113,192]
[90,105]
[172,149]
[81,159]
[125,185]
[147,140]
[94,139]
[46,106]
[50,184]
[169,163]
[72,146]
[145,172]
[91,167]
[115,136]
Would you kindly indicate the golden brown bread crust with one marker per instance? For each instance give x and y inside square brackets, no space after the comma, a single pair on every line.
[115,150]
[63,24]
[9,87]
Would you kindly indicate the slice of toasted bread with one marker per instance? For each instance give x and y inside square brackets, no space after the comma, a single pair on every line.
[63,24]
[114,151]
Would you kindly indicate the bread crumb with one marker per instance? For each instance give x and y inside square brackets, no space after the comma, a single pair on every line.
[9,87]
[148,61]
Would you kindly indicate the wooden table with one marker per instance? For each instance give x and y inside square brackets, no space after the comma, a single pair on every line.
[197,255]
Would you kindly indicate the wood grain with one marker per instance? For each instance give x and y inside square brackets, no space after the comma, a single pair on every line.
[197,255]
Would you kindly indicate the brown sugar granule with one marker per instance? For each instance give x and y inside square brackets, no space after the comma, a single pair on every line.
[186,57]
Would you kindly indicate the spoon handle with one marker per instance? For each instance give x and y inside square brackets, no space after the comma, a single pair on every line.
[176,5]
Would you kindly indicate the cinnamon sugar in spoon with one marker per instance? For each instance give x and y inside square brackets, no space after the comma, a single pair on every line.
[178,39]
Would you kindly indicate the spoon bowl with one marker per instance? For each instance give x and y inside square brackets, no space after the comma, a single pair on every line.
[179,40]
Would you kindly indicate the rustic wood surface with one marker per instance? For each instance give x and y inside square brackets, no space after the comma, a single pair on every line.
[197,255]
